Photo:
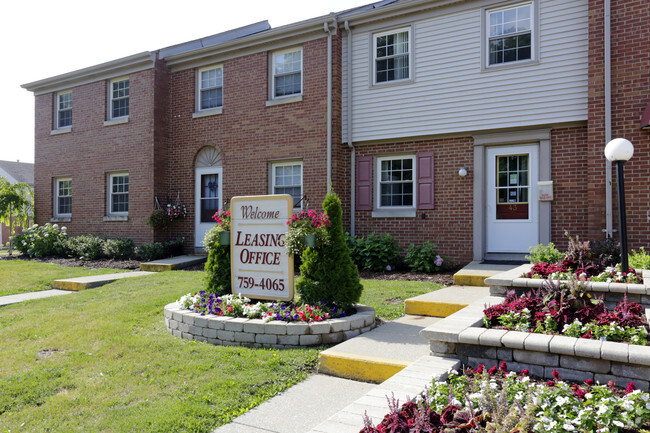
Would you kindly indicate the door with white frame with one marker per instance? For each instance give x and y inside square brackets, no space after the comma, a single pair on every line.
[209,199]
[512,208]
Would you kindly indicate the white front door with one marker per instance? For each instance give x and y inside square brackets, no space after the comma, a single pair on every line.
[208,196]
[512,220]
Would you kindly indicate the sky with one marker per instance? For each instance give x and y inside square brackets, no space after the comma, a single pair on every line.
[44,38]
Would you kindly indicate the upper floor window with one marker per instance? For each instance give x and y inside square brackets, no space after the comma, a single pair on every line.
[63,197]
[287,72]
[119,98]
[118,197]
[510,34]
[64,109]
[210,84]
[392,55]
[287,179]
[395,181]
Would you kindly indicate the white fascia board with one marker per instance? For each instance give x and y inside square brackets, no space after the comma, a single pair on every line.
[393,10]
[103,71]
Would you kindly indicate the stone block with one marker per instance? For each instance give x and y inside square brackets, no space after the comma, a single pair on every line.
[533,370]
[337,325]
[440,347]
[636,289]
[587,348]
[201,322]
[599,286]
[369,319]
[633,371]
[298,328]
[289,340]
[214,341]
[177,315]
[184,327]
[351,333]
[639,354]
[225,335]
[255,326]
[613,351]
[244,337]
[474,362]
[333,337]
[213,323]
[210,333]
[538,342]
[187,336]
[504,354]
[585,364]
[200,338]
[568,374]
[492,337]
[618,287]
[366,329]
[172,324]
[357,321]
[168,313]
[266,338]
[514,339]
[643,385]
[470,335]
[319,327]
[229,343]
[536,358]
[498,291]
[188,318]
[236,324]
[562,345]
[476,351]
[277,328]
[176,333]
[195,330]
[310,340]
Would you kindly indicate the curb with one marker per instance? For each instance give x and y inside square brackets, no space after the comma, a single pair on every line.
[434,309]
[359,367]
[470,279]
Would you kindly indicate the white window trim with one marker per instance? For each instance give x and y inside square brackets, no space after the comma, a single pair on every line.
[110,215]
[60,215]
[373,57]
[294,96]
[198,112]
[118,119]
[57,110]
[380,211]
[485,37]
[284,163]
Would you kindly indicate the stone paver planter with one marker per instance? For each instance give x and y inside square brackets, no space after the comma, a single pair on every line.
[462,334]
[235,331]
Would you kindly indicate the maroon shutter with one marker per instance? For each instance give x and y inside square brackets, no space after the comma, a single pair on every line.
[425,180]
[364,182]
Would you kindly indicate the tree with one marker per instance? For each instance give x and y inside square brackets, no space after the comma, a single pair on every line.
[16,204]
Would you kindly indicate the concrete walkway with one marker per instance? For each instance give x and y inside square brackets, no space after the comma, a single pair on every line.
[169,264]
[21,297]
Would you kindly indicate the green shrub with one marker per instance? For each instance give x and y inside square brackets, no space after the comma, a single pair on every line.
[174,247]
[606,251]
[150,251]
[42,241]
[640,260]
[86,247]
[356,246]
[424,258]
[380,253]
[329,274]
[217,270]
[119,248]
[545,254]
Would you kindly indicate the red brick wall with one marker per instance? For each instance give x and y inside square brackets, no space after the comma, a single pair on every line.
[92,150]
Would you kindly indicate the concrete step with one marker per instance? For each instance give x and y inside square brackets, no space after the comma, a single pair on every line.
[475,273]
[379,354]
[444,302]
[178,262]
[21,297]
[82,283]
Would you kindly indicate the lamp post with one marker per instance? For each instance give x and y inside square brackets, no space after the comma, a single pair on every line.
[620,150]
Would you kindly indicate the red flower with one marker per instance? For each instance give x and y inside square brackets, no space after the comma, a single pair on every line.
[556,375]
[480,368]
[589,382]
[630,388]
[550,383]
[524,372]
[492,370]
[503,367]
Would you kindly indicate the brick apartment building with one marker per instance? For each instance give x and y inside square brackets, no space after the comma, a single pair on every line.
[432,120]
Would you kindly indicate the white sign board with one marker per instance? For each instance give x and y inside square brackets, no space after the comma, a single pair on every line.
[261,267]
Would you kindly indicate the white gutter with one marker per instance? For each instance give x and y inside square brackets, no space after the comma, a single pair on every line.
[353,165]
[608,119]
[329,101]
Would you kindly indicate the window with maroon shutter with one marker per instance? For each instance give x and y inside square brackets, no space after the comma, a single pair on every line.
[364,183]
[424,180]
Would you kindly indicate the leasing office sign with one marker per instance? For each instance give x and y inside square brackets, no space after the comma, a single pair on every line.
[261,267]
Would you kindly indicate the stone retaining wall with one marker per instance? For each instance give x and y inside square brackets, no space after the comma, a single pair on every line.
[235,331]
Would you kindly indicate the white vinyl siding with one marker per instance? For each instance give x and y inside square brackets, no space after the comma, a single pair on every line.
[452,93]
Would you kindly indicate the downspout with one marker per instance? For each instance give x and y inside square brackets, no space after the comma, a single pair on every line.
[329,101]
[353,165]
[608,118]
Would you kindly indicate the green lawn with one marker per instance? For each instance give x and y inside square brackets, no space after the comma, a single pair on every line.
[21,276]
[101,360]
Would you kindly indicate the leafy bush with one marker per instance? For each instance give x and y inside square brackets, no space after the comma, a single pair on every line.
[545,254]
[606,251]
[217,270]
[640,260]
[42,241]
[86,247]
[424,258]
[375,253]
[329,274]
[119,248]
[150,251]
[174,247]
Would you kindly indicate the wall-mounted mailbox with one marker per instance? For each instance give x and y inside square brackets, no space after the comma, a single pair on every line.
[545,190]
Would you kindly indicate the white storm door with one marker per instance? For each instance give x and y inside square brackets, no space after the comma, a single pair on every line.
[512,219]
[208,195]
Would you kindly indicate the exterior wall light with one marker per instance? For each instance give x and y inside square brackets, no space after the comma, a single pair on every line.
[462,172]
[620,150]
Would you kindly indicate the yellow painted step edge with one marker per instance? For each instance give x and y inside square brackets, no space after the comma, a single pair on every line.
[359,367]
[470,279]
[69,285]
[433,309]
[156,267]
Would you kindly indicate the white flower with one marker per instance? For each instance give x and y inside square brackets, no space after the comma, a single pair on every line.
[568,427]
[618,423]
[628,405]
[602,409]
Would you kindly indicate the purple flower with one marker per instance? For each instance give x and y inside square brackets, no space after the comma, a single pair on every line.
[388,268]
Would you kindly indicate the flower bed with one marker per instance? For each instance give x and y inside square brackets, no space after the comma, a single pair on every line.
[497,400]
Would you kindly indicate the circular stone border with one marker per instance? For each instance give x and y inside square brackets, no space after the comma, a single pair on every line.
[239,331]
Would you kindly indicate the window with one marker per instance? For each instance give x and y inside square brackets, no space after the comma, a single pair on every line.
[119,97]
[210,85]
[392,56]
[287,72]
[63,197]
[509,34]
[287,179]
[63,109]
[118,197]
[395,181]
